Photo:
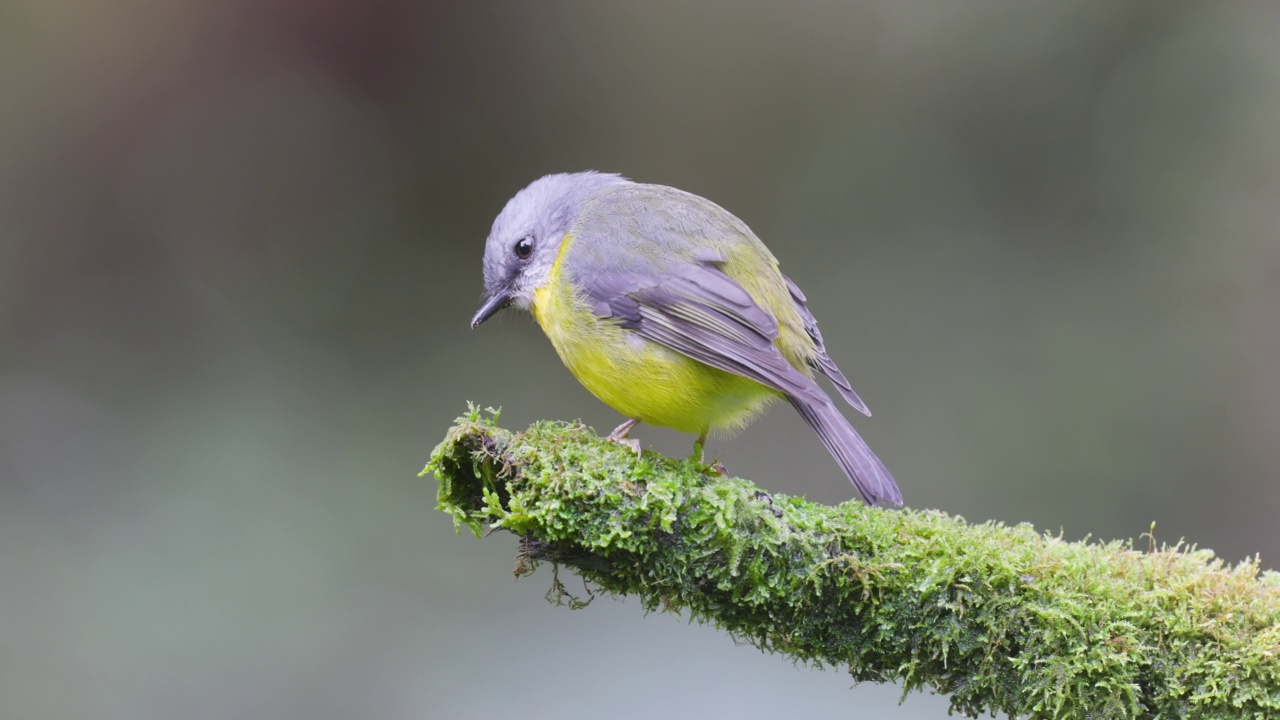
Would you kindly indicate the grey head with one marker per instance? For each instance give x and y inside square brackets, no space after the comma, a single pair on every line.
[526,237]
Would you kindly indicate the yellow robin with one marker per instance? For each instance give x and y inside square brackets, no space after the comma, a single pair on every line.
[671,311]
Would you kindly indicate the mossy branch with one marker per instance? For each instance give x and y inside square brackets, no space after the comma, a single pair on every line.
[999,618]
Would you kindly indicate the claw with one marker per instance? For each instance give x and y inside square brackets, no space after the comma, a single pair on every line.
[631,443]
[620,435]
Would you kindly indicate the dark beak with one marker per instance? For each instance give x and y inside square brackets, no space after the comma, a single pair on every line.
[491,306]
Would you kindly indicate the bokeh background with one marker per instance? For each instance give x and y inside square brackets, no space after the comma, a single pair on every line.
[240,242]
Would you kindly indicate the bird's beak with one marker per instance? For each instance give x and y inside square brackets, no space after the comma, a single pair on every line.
[491,305]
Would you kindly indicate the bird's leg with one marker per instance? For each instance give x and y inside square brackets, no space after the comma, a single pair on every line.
[622,432]
[621,435]
[697,447]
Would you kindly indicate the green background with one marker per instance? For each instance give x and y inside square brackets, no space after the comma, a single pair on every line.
[240,242]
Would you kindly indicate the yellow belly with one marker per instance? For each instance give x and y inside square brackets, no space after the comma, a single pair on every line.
[642,379]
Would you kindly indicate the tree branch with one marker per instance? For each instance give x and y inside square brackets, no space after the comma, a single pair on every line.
[1000,618]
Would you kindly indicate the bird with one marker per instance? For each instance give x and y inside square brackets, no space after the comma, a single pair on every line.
[670,310]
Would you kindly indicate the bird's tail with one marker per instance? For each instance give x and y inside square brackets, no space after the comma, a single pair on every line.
[851,452]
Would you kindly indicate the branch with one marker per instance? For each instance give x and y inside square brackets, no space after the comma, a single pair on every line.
[1000,618]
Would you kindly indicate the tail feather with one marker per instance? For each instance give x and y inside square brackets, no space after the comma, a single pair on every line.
[851,452]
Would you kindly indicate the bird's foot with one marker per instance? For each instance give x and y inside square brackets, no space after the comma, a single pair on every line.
[629,443]
[620,435]
[698,455]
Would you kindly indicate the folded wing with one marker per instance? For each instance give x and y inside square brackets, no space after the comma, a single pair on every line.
[703,313]
[700,311]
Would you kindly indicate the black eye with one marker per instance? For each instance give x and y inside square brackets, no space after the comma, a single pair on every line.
[524,248]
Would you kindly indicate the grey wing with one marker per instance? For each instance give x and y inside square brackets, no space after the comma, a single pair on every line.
[701,312]
[821,361]
[704,314]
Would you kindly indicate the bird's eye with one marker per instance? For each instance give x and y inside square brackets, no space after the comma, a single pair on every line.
[524,247]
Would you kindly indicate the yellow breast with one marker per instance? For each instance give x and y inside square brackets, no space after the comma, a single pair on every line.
[635,376]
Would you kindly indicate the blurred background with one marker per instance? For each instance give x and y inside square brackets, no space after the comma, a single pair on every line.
[240,242]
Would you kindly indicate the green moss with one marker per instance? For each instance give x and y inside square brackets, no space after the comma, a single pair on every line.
[1000,618]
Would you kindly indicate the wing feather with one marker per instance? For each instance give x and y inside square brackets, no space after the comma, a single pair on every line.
[703,313]
[822,362]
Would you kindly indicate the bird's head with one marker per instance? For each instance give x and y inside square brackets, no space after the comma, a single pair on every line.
[526,236]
